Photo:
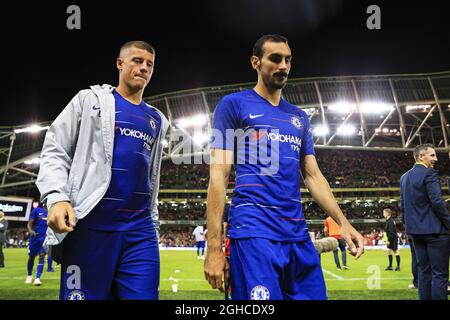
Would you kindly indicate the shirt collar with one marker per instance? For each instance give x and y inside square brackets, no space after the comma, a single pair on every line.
[418,162]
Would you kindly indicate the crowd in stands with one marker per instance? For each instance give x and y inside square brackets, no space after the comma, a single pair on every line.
[184,176]
[182,236]
[169,237]
[363,169]
[353,210]
[341,168]
[181,211]
[177,237]
[17,238]
[375,237]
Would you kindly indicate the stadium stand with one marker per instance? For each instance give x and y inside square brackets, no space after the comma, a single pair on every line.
[342,168]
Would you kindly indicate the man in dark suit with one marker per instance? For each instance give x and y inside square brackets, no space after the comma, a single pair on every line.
[427,221]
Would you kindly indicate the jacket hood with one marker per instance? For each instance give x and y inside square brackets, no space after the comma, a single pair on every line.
[102,89]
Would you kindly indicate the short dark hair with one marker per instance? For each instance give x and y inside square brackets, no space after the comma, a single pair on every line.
[258,47]
[138,44]
[421,148]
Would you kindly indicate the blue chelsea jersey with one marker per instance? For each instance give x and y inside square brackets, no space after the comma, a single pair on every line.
[39,216]
[126,204]
[269,144]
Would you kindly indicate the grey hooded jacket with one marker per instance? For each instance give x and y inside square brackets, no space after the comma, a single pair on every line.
[76,157]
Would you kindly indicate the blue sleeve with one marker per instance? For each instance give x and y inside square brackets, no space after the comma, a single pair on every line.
[402,202]
[33,214]
[308,142]
[433,185]
[224,124]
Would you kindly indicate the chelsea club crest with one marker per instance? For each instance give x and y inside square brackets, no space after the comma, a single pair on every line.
[260,293]
[296,122]
[76,295]
[153,124]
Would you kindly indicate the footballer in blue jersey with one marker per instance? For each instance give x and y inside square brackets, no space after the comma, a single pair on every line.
[119,230]
[270,144]
[112,252]
[37,227]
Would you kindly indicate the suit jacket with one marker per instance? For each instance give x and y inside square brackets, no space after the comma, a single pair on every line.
[3,228]
[424,210]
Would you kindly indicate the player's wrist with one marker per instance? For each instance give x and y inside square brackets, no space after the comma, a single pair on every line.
[345,223]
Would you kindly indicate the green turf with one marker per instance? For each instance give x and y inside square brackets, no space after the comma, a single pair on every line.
[366,280]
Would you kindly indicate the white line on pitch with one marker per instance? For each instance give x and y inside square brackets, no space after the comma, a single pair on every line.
[365,279]
[184,280]
[47,278]
[333,275]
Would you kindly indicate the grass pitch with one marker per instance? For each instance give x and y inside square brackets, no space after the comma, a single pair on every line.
[366,279]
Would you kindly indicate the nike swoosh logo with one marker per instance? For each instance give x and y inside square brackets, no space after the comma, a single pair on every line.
[253,116]
[95,107]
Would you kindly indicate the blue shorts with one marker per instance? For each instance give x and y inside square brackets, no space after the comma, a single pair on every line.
[36,246]
[262,269]
[200,244]
[105,265]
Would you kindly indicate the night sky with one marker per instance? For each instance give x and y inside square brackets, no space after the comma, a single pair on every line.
[206,43]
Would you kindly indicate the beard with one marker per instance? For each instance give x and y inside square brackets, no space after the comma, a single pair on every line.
[275,81]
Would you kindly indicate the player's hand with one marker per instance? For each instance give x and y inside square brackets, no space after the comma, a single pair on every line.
[354,239]
[33,233]
[61,217]
[215,267]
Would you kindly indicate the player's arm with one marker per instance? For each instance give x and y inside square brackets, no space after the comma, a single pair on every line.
[30,227]
[30,224]
[402,203]
[321,192]
[56,161]
[325,228]
[215,264]
[433,186]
